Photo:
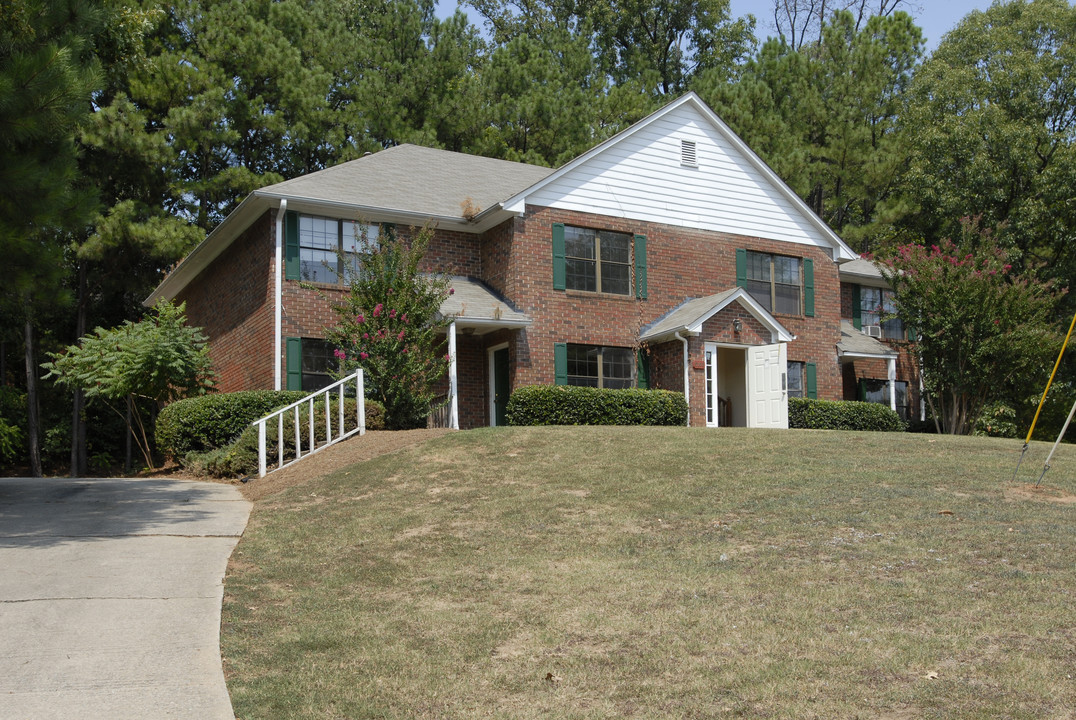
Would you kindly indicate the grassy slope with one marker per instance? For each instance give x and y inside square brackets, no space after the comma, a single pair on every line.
[610,572]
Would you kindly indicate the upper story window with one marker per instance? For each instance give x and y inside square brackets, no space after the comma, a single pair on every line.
[775,281]
[320,249]
[597,260]
[877,308]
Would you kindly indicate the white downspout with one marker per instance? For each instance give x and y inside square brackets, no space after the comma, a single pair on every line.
[892,368]
[454,406]
[277,308]
[687,376]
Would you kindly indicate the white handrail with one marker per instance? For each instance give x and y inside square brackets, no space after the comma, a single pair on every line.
[342,432]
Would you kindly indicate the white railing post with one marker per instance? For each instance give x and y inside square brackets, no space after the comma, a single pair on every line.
[341,410]
[360,404]
[328,417]
[261,448]
[313,445]
[298,436]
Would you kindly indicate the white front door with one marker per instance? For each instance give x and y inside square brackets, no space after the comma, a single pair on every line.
[767,398]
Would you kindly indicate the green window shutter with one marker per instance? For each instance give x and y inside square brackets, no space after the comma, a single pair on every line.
[857,312]
[291,245]
[808,287]
[810,381]
[294,358]
[741,268]
[642,374]
[560,271]
[640,267]
[560,363]
[912,334]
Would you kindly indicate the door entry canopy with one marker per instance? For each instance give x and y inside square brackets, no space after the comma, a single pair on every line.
[688,317]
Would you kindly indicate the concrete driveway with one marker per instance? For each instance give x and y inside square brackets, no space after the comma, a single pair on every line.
[110,596]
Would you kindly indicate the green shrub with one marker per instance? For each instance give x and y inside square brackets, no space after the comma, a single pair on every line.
[842,415]
[211,422]
[240,457]
[997,419]
[570,405]
[10,442]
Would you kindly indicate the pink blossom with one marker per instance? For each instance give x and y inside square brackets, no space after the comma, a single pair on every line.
[366,336]
[392,313]
[448,357]
[364,355]
[404,318]
[404,351]
[452,291]
[400,336]
[360,318]
[339,354]
[377,310]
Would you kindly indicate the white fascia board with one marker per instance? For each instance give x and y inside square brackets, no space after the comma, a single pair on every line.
[209,249]
[869,356]
[371,213]
[840,251]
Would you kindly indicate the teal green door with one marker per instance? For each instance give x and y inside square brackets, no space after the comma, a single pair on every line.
[500,385]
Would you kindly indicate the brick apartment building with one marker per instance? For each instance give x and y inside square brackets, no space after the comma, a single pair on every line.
[669,256]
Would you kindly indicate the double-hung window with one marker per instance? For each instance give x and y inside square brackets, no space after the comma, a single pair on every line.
[326,250]
[775,281]
[877,307]
[598,260]
[310,362]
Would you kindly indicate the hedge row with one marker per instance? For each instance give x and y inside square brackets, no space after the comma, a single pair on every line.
[570,405]
[240,457]
[842,415]
[212,422]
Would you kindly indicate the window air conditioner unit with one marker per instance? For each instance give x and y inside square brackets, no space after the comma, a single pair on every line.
[874,331]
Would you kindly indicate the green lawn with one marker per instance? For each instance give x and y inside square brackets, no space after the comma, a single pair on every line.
[642,572]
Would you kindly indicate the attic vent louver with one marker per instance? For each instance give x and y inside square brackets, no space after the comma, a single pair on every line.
[687,153]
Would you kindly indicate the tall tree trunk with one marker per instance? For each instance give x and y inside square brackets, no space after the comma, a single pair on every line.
[33,413]
[79,460]
[128,462]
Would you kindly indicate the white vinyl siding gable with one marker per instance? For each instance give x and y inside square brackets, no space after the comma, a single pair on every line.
[641,177]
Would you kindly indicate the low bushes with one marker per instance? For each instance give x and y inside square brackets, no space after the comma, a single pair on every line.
[213,434]
[209,422]
[842,415]
[240,457]
[570,405]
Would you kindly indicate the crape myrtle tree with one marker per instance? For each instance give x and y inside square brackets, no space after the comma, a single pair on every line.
[138,367]
[389,324]
[984,332]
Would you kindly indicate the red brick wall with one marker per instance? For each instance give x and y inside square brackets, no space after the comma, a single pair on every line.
[682,263]
[232,300]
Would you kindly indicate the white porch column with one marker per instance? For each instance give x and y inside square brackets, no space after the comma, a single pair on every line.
[891,364]
[277,292]
[454,406]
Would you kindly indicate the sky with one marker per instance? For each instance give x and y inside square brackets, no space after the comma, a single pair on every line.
[936,17]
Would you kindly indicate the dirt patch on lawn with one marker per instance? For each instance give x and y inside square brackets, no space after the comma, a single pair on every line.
[353,450]
[1039,493]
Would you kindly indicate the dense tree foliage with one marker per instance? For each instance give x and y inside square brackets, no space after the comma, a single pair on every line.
[985,332]
[991,128]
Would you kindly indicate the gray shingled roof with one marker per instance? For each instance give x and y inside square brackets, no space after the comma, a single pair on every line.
[853,341]
[413,179]
[474,305]
[685,314]
[861,268]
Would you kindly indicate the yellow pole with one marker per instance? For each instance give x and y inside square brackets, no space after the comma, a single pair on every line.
[1056,364]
